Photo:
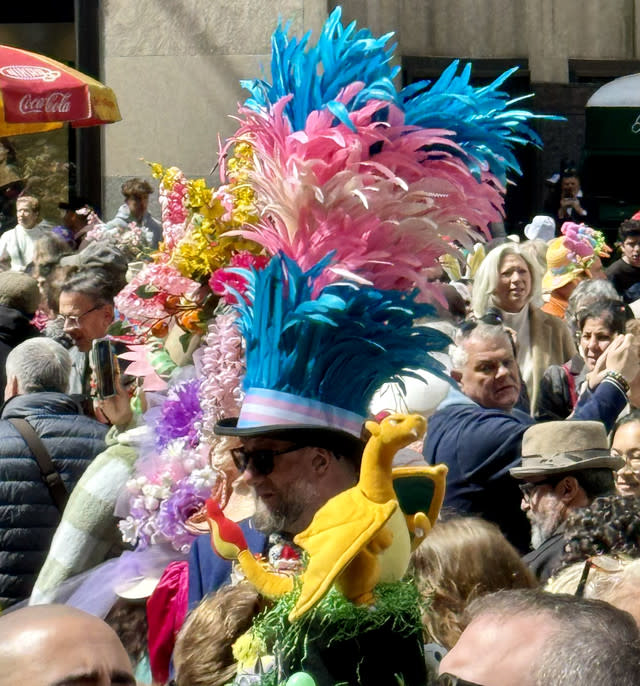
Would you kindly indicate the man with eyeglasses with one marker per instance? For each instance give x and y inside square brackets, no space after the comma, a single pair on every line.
[477,432]
[565,466]
[85,313]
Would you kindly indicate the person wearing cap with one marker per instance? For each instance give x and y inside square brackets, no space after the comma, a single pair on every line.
[477,432]
[565,466]
[74,221]
[36,391]
[17,244]
[19,300]
[136,194]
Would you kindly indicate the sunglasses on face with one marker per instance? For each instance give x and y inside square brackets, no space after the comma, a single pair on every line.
[262,460]
[529,487]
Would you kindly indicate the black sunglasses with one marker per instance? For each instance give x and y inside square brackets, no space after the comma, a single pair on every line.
[262,460]
[492,318]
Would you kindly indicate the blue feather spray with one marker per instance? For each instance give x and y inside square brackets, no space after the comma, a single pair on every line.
[338,347]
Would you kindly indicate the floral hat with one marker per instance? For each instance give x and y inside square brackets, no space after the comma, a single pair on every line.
[570,255]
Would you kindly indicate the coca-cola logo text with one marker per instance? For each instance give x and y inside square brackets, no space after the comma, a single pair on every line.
[54,102]
[24,72]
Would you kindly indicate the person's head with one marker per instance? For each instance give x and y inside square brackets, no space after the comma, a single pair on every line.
[598,324]
[610,525]
[45,645]
[461,559]
[626,443]
[136,196]
[533,638]
[484,364]
[38,364]
[629,240]
[569,184]
[103,258]
[19,292]
[507,278]
[291,479]
[7,152]
[86,307]
[584,294]
[203,652]
[566,465]
[47,252]
[28,211]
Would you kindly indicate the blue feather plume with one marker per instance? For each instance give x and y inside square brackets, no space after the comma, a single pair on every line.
[315,75]
[484,120]
[339,346]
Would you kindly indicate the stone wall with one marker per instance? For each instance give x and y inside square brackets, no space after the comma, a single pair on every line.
[176,67]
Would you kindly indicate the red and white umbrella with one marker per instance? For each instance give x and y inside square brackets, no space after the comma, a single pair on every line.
[40,94]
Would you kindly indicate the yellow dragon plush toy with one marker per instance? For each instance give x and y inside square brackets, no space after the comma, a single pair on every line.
[360,537]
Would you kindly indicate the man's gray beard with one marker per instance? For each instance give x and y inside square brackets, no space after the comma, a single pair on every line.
[543,529]
[286,514]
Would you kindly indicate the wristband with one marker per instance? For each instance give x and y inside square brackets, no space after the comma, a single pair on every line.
[619,379]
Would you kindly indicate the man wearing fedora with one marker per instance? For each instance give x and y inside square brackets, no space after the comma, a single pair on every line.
[477,432]
[565,466]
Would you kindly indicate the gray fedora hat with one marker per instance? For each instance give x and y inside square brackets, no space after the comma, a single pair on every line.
[567,446]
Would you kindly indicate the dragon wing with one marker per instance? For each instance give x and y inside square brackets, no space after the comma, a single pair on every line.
[337,533]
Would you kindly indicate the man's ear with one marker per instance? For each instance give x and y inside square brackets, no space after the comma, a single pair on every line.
[568,490]
[321,461]
[456,375]
[11,388]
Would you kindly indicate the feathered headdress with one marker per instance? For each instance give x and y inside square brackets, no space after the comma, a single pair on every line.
[387,180]
[315,361]
[358,189]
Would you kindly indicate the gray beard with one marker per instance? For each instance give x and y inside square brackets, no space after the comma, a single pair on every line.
[542,530]
[284,517]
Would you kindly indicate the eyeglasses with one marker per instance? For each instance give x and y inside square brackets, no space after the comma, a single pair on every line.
[262,460]
[453,680]
[73,320]
[529,487]
[608,564]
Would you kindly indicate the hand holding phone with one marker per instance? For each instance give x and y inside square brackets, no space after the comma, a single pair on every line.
[105,367]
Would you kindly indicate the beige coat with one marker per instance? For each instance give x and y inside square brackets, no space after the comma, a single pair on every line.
[551,343]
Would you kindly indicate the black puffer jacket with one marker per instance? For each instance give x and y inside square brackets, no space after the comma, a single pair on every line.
[28,516]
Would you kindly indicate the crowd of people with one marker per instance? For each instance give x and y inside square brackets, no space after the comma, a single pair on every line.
[327,443]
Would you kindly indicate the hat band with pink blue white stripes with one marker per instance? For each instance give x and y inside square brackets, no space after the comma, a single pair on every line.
[265,407]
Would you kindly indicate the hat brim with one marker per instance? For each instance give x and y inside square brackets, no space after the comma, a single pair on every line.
[552,281]
[544,467]
[338,441]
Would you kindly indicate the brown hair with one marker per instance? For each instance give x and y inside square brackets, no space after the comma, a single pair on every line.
[134,188]
[203,654]
[462,559]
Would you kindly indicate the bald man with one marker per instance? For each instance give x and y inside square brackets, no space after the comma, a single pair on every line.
[56,645]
